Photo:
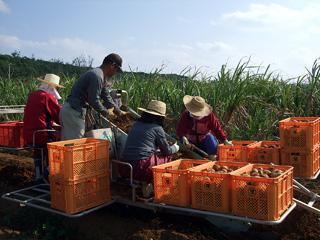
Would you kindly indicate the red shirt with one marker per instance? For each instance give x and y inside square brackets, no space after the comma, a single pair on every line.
[196,130]
[40,112]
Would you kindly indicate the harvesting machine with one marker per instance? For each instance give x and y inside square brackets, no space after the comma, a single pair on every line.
[99,127]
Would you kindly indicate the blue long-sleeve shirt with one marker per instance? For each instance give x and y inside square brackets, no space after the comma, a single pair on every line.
[143,141]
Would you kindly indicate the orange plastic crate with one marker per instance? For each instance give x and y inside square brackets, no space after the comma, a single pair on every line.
[11,134]
[235,153]
[262,198]
[79,195]
[73,159]
[261,152]
[211,191]
[296,132]
[172,182]
[306,163]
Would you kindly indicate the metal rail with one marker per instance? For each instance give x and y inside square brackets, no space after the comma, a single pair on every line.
[229,216]
[12,109]
[313,197]
[41,196]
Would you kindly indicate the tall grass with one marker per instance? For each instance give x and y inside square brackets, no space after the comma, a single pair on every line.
[249,101]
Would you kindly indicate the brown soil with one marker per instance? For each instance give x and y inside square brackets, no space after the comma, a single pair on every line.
[119,221]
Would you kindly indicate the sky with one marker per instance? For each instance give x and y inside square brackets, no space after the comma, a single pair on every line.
[174,35]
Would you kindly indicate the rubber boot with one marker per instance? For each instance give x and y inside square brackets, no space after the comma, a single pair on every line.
[38,168]
[147,189]
[212,157]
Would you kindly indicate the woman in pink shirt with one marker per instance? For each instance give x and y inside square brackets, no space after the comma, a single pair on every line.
[199,126]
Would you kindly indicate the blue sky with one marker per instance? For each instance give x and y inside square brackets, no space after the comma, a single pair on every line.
[201,34]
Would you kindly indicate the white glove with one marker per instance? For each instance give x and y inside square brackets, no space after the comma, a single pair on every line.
[177,147]
[226,142]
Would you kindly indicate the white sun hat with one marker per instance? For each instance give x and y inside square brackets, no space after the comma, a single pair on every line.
[51,79]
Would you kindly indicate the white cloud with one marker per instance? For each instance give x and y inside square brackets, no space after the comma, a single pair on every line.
[208,46]
[4,7]
[212,22]
[275,14]
[184,20]
[64,48]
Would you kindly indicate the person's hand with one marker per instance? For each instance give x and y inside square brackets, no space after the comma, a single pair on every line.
[122,113]
[186,142]
[226,142]
[109,114]
[177,147]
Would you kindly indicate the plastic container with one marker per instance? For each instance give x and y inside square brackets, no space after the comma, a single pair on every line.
[235,153]
[306,163]
[74,159]
[264,152]
[172,182]
[211,190]
[11,134]
[300,133]
[262,198]
[79,195]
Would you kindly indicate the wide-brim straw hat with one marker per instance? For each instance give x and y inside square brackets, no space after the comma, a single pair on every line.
[51,79]
[197,106]
[156,108]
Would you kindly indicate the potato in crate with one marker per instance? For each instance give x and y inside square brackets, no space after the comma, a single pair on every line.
[262,191]
[172,182]
[300,133]
[210,185]
[305,163]
[264,152]
[73,159]
[235,153]
[11,134]
[73,196]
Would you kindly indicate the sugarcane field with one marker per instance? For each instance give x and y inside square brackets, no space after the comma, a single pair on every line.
[261,183]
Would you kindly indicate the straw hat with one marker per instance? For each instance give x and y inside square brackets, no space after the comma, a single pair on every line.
[197,106]
[156,108]
[51,79]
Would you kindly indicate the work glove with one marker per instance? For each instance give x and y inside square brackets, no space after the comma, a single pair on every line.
[177,147]
[226,142]
[122,113]
[110,114]
[186,142]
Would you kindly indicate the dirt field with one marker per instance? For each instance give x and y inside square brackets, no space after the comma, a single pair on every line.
[121,222]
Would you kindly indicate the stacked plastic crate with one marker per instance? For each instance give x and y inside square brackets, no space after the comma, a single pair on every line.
[11,134]
[264,152]
[79,174]
[299,142]
[235,153]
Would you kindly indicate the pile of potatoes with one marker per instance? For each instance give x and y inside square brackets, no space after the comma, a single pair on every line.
[221,169]
[270,146]
[264,173]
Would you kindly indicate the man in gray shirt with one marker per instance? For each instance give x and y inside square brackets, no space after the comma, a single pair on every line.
[88,89]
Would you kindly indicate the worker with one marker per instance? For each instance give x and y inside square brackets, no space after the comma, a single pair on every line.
[141,148]
[41,111]
[86,93]
[199,126]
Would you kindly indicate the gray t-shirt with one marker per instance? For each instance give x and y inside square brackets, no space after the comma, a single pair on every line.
[143,141]
[91,86]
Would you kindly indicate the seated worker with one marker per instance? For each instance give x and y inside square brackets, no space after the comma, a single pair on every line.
[144,139]
[199,126]
[41,111]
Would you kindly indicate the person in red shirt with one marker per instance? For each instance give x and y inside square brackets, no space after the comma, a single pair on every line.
[199,126]
[41,111]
